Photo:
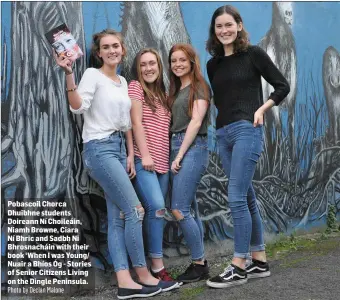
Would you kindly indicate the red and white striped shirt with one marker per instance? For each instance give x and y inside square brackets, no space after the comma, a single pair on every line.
[156,127]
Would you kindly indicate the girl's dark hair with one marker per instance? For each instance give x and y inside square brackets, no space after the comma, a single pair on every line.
[196,78]
[214,46]
[158,88]
[95,61]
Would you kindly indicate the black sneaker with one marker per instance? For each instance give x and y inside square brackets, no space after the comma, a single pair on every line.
[231,276]
[194,272]
[138,293]
[257,269]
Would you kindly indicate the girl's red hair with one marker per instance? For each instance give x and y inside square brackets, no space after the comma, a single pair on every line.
[197,80]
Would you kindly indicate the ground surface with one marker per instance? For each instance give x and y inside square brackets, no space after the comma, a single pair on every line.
[303,268]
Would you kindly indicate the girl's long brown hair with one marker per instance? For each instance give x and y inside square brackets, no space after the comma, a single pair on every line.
[214,46]
[158,90]
[196,78]
[95,61]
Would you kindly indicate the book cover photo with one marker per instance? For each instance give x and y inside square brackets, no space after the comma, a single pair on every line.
[63,42]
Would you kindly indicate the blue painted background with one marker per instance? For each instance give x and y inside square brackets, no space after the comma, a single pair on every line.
[315,28]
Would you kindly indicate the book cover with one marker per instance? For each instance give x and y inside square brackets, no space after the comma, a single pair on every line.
[63,42]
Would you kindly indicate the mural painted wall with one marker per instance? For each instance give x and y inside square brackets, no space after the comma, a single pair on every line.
[298,175]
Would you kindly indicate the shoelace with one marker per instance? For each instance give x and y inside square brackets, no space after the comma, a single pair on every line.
[228,269]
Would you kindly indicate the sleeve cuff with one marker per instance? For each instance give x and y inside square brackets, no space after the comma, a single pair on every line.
[275,98]
[78,111]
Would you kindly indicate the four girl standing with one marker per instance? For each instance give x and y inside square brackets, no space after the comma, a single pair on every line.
[111,154]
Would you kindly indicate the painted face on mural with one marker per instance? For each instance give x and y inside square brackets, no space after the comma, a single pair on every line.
[149,67]
[111,50]
[286,11]
[226,29]
[180,64]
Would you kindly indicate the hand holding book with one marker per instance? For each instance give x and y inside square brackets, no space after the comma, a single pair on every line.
[63,62]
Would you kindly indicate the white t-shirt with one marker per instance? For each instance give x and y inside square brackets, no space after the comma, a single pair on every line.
[106,105]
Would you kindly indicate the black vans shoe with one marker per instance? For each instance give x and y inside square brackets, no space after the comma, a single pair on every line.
[257,269]
[144,292]
[194,272]
[231,276]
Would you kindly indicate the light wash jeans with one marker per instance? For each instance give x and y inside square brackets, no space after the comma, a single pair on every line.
[240,145]
[151,188]
[105,161]
[184,187]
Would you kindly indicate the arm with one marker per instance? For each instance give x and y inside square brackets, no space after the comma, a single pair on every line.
[258,116]
[139,134]
[273,76]
[73,97]
[270,73]
[78,104]
[199,110]
[130,154]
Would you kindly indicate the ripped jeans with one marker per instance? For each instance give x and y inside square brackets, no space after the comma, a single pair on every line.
[151,188]
[105,161]
[184,187]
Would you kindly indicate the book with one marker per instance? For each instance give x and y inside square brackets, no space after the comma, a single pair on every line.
[63,42]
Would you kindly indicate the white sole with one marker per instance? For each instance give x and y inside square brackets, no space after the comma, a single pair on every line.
[259,275]
[175,286]
[222,285]
[139,295]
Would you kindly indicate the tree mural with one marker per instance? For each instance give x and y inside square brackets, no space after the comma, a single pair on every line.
[42,137]
[330,145]
[151,24]
[279,43]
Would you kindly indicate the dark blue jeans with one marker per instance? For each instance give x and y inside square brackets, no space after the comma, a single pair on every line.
[151,188]
[240,145]
[184,187]
[105,161]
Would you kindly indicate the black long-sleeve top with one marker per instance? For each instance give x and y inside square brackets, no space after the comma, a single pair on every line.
[236,84]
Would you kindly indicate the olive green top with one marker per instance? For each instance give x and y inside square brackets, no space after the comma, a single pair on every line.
[180,110]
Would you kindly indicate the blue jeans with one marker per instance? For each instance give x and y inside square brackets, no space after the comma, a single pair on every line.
[184,186]
[240,145]
[151,188]
[105,161]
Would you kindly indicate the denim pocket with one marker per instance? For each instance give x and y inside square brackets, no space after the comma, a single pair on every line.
[259,132]
[200,142]
[138,164]
[257,146]
[259,126]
